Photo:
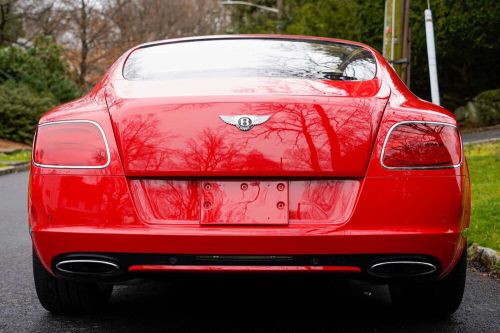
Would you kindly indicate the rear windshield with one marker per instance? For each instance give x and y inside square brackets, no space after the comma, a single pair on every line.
[251,58]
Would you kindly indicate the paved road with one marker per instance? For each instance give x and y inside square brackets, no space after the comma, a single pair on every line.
[493,133]
[239,304]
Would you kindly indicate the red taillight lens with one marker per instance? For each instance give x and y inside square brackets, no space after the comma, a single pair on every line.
[422,145]
[71,144]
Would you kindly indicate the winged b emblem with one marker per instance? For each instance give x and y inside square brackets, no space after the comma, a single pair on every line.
[245,122]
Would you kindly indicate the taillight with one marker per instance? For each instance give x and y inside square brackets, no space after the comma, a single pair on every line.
[422,145]
[72,144]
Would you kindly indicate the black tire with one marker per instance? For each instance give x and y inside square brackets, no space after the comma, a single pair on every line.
[68,297]
[438,298]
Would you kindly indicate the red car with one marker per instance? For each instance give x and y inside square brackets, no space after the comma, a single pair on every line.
[268,154]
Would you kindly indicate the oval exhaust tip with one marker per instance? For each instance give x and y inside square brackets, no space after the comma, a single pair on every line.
[402,269]
[87,267]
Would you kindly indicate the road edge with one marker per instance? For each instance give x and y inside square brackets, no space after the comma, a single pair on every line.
[14,168]
[488,259]
[481,141]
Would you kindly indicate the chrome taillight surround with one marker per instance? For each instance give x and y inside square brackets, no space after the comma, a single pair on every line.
[393,127]
[101,130]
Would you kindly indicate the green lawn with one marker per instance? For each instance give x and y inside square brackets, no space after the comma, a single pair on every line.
[18,156]
[484,168]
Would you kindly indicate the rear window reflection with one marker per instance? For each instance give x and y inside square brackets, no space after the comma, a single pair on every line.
[251,58]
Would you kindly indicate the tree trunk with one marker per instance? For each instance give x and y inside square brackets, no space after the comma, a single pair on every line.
[84,44]
[4,10]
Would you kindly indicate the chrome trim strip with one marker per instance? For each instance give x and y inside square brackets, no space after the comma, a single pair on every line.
[434,268]
[422,167]
[113,265]
[72,166]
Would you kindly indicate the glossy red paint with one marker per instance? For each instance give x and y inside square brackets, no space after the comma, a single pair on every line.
[265,269]
[425,221]
[306,135]
[324,141]
[244,202]
[166,201]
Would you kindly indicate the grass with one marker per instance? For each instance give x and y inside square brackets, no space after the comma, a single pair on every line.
[17,156]
[484,168]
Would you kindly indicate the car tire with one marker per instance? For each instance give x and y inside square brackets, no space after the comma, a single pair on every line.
[61,296]
[438,298]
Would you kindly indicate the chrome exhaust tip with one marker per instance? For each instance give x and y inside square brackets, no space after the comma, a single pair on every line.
[402,269]
[90,267]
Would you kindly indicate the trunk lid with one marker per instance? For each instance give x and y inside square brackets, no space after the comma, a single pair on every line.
[314,128]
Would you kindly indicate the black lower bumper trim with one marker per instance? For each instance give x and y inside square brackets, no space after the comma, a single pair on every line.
[125,260]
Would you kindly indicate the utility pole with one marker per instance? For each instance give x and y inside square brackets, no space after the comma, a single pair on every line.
[431,54]
[279,24]
[397,39]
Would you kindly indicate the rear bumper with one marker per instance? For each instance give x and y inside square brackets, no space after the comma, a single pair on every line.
[394,216]
[149,250]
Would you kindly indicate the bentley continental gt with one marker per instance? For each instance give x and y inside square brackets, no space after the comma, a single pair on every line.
[265,154]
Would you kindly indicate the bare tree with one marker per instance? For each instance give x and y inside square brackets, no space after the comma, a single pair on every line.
[89,31]
[41,17]
[147,20]
[9,21]
[95,32]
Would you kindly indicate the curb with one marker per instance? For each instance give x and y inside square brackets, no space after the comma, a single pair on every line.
[10,150]
[487,258]
[480,141]
[15,168]
[480,129]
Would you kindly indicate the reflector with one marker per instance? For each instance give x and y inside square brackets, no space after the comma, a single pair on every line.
[71,144]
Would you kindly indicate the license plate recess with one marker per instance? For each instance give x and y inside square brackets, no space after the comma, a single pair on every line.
[244,202]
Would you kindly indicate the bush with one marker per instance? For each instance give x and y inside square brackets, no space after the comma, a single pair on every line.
[483,110]
[40,67]
[20,109]
[32,80]
[488,103]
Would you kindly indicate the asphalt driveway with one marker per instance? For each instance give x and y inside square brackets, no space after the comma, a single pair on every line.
[236,304]
[484,135]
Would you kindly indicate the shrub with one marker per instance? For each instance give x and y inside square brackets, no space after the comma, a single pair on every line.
[488,103]
[20,109]
[32,80]
[483,110]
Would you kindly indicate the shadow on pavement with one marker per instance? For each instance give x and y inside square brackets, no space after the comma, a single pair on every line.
[252,304]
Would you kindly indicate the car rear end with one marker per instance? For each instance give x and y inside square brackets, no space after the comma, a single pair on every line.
[249,154]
